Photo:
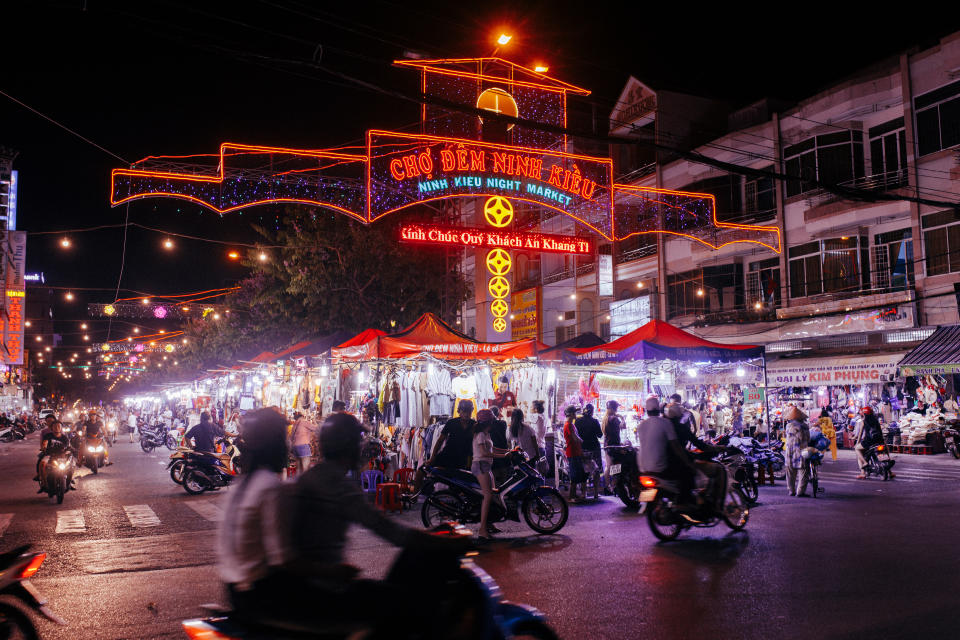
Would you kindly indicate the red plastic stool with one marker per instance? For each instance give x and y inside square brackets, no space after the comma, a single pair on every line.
[405,478]
[388,496]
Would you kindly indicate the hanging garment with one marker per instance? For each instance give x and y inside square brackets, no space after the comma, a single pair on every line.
[465,388]
[484,388]
[439,392]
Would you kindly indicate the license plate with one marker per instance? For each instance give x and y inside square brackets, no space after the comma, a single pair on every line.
[614,469]
[648,495]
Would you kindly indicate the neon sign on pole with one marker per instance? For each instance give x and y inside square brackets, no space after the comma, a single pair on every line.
[484,238]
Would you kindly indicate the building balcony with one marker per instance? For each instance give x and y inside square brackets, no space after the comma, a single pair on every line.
[635,254]
[877,182]
[844,301]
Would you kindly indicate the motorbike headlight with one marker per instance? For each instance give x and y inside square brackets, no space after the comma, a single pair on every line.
[99,448]
[62,465]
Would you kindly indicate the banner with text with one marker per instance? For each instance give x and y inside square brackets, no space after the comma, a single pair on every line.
[525,316]
[810,372]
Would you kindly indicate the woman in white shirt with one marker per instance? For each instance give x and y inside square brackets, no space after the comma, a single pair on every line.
[523,435]
[482,468]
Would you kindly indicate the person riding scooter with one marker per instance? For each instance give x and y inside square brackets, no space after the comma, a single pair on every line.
[92,429]
[54,441]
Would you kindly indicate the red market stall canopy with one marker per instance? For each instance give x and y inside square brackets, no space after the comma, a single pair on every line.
[658,340]
[430,335]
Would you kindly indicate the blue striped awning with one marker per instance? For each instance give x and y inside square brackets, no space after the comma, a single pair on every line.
[938,354]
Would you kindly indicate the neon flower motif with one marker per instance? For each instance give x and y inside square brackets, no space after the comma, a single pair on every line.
[133,359]
[138,348]
[168,348]
[109,310]
[160,312]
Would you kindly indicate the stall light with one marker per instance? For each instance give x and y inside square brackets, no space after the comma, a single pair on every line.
[700,292]
[136,329]
[758,305]
[640,285]
[47,349]
[551,375]
[39,339]
[86,337]
[822,392]
[360,377]
[573,296]
[560,317]
[83,326]
[69,296]
[692,373]
[740,373]
[262,256]
[65,243]
[323,372]
[27,323]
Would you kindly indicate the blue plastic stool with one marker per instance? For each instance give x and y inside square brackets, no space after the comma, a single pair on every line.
[369,480]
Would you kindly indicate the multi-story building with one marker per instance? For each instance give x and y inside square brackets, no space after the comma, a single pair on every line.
[861,180]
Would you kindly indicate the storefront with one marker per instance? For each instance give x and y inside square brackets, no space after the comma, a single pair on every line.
[842,385]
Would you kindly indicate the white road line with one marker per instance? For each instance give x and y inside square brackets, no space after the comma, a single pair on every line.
[5,519]
[207,510]
[70,521]
[140,515]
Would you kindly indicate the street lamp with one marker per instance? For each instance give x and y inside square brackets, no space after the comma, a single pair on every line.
[69,296]
[504,39]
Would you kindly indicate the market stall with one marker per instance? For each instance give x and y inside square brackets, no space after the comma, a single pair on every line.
[841,385]
[407,384]
[719,382]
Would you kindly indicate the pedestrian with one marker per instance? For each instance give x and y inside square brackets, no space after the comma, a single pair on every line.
[524,436]
[610,426]
[453,447]
[590,433]
[574,452]
[539,424]
[484,453]
[302,438]
[829,431]
[131,424]
[498,434]
[797,439]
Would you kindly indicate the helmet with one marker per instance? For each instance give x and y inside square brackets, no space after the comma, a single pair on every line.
[340,437]
[673,410]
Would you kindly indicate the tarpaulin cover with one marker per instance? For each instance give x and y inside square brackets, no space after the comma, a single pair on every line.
[431,335]
[315,346]
[588,339]
[658,340]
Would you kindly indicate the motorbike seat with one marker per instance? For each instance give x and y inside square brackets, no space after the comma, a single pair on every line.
[460,476]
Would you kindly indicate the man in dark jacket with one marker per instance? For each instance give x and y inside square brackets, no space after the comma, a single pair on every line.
[589,429]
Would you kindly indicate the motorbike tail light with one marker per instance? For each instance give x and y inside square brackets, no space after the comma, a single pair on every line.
[200,630]
[880,447]
[648,482]
[33,566]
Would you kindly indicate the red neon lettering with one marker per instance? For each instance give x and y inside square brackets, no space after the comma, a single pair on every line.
[554,178]
[536,168]
[566,180]
[522,166]
[499,162]
[425,162]
[410,164]
[587,189]
[575,181]
[511,159]
[396,169]
[447,161]
[462,161]
[477,161]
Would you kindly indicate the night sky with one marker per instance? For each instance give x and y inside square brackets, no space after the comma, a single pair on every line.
[153,78]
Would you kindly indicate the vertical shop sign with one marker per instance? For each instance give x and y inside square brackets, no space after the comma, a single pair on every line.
[14,264]
[604,275]
[525,320]
[627,315]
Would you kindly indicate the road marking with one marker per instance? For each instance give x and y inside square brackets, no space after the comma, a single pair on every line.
[70,521]
[140,515]
[207,510]
[5,519]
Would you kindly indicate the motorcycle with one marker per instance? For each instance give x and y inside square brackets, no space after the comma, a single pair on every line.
[879,462]
[625,474]
[111,430]
[668,517]
[951,438]
[59,474]
[204,471]
[742,471]
[11,432]
[543,508]
[230,455]
[16,569]
[153,437]
[92,452]
[467,605]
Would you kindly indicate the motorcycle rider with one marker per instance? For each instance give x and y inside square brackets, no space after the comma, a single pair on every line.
[611,438]
[204,434]
[48,421]
[54,441]
[868,434]
[93,428]
[325,503]
[682,421]
[661,452]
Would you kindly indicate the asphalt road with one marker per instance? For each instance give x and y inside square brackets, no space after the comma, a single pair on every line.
[130,556]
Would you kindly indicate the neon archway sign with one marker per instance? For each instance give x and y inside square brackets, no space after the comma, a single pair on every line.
[452,157]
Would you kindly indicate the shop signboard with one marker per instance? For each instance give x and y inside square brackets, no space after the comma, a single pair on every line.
[754,395]
[627,315]
[810,372]
[605,275]
[13,270]
[930,369]
[525,319]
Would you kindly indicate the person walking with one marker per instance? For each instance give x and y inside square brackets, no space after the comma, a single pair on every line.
[302,438]
[498,434]
[523,435]
[797,438]
[590,433]
[829,431]
[574,451]
[482,468]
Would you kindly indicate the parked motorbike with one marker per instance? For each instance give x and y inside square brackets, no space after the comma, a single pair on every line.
[16,569]
[58,474]
[951,439]
[204,471]
[879,462]
[230,455]
[465,601]
[524,492]
[93,453]
[152,437]
[625,474]
[668,517]
[12,432]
